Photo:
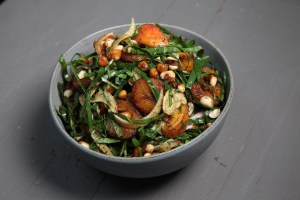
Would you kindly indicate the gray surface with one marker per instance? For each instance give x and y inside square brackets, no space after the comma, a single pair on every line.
[256,155]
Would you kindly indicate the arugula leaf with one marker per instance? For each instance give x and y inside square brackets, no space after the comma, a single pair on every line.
[124,149]
[135,142]
[116,127]
[165,50]
[197,121]
[198,64]
[106,140]
[140,121]
[64,68]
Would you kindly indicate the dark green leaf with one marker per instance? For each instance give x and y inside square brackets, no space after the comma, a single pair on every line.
[197,121]
[140,121]
[107,140]
[198,64]
[64,68]
[135,142]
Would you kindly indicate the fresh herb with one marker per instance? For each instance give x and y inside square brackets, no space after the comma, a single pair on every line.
[198,64]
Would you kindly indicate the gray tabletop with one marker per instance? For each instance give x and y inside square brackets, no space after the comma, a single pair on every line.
[256,155]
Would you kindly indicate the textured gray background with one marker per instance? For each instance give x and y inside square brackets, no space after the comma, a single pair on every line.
[256,155]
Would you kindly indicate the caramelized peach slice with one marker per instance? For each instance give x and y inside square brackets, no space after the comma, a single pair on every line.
[126,132]
[177,122]
[151,36]
[126,106]
[186,62]
[142,96]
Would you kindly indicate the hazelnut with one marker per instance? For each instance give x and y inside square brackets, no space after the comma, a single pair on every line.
[149,148]
[102,61]
[153,73]
[68,93]
[173,67]
[147,154]
[166,74]
[213,81]
[143,65]
[161,67]
[181,88]
[207,101]
[85,144]
[122,94]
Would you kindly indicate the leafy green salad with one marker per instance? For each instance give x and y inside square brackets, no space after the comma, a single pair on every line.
[139,93]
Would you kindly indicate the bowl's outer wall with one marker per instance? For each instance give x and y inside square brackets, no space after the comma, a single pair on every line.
[156,165]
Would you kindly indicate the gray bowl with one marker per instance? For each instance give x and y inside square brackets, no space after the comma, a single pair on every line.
[156,165]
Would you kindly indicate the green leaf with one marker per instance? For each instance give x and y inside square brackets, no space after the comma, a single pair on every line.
[60,88]
[124,149]
[78,79]
[164,30]
[107,140]
[164,50]
[135,142]
[198,65]
[109,83]
[89,112]
[140,121]
[149,133]
[64,69]
[197,121]
[116,127]
[62,113]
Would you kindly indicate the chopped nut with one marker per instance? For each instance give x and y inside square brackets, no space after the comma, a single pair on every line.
[149,148]
[191,108]
[147,154]
[68,93]
[173,67]
[81,74]
[123,94]
[207,101]
[215,113]
[181,88]
[213,81]
[85,144]
[166,74]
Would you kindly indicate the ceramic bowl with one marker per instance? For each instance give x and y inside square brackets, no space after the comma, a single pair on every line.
[156,165]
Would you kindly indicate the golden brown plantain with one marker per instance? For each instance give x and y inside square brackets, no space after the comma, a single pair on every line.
[177,122]
[126,132]
[124,106]
[142,96]
[186,62]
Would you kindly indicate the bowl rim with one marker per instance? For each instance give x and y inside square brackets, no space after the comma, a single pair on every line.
[160,156]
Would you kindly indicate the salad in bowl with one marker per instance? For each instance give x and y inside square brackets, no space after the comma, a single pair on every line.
[140,93]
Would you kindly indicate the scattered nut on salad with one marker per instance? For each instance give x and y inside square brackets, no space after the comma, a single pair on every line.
[139,93]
